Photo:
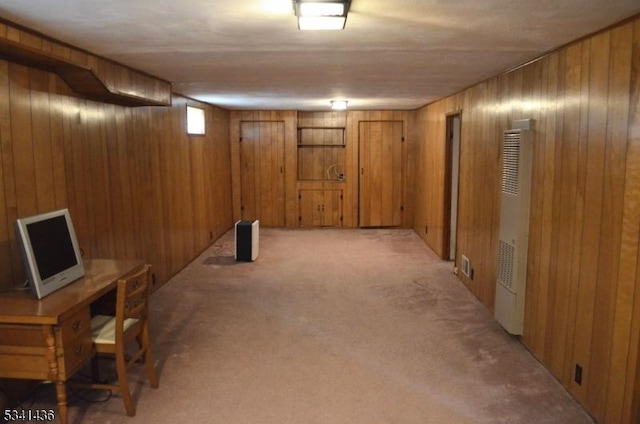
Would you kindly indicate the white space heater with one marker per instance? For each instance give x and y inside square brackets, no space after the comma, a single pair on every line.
[517,157]
[247,240]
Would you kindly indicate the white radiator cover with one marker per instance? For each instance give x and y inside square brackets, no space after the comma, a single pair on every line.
[517,158]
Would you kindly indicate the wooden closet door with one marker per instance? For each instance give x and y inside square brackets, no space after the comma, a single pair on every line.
[262,172]
[332,202]
[311,208]
[381,173]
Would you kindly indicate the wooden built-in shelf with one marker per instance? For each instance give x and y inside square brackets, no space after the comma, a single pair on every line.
[321,145]
[321,153]
[321,136]
[89,75]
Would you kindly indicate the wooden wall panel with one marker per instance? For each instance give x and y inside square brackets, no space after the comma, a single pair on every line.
[629,300]
[582,300]
[313,162]
[609,241]
[9,259]
[592,187]
[624,336]
[136,184]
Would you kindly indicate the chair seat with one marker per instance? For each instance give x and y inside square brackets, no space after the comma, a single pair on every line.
[103,328]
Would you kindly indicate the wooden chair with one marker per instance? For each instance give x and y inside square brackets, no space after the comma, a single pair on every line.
[112,334]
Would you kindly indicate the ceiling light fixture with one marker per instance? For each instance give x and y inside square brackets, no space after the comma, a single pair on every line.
[321,14]
[339,104]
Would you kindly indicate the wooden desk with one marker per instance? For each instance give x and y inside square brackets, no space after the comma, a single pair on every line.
[50,339]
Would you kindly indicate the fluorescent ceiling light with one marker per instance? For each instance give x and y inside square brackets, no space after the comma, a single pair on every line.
[321,9]
[339,104]
[321,23]
[321,15]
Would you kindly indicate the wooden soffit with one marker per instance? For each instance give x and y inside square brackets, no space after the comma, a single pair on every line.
[91,76]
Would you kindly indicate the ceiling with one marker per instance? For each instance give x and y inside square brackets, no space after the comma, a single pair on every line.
[249,54]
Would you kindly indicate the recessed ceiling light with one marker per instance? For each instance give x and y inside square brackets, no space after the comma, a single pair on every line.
[339,104]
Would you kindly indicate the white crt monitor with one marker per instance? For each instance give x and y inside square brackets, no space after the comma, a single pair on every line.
[50,251]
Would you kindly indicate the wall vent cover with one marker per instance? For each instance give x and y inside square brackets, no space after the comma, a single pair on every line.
[511,274]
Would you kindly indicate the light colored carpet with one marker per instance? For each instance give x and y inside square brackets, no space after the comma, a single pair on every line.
[331,326]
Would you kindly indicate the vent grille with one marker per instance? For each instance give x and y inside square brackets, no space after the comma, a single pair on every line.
[466,266]
[506,254]
[510,162]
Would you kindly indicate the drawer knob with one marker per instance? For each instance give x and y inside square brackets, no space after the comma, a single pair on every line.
[76,325]
[78,350]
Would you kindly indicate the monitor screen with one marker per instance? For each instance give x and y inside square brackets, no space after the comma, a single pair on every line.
[52,246]
[50,251]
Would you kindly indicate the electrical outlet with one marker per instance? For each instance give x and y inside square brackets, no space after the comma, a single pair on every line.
[578,375]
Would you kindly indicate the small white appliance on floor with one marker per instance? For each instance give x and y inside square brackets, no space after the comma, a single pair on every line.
[247,240]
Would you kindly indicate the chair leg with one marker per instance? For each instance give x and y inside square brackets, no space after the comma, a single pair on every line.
[123,383]
[148,359]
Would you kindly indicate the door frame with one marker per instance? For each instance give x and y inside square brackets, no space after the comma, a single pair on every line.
[451,178]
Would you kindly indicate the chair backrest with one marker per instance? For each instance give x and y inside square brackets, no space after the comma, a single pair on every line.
[132,295]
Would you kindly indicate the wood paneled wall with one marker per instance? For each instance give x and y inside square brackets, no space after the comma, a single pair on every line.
[136,185]
[583,297]
[350,120]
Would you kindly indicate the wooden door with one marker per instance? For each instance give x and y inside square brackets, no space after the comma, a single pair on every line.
[262,172]
[381,173]
[320,208]
[451,182]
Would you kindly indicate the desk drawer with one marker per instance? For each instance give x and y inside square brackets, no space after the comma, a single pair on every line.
[74,355]
[76,325]
[23,352]
[74,336]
